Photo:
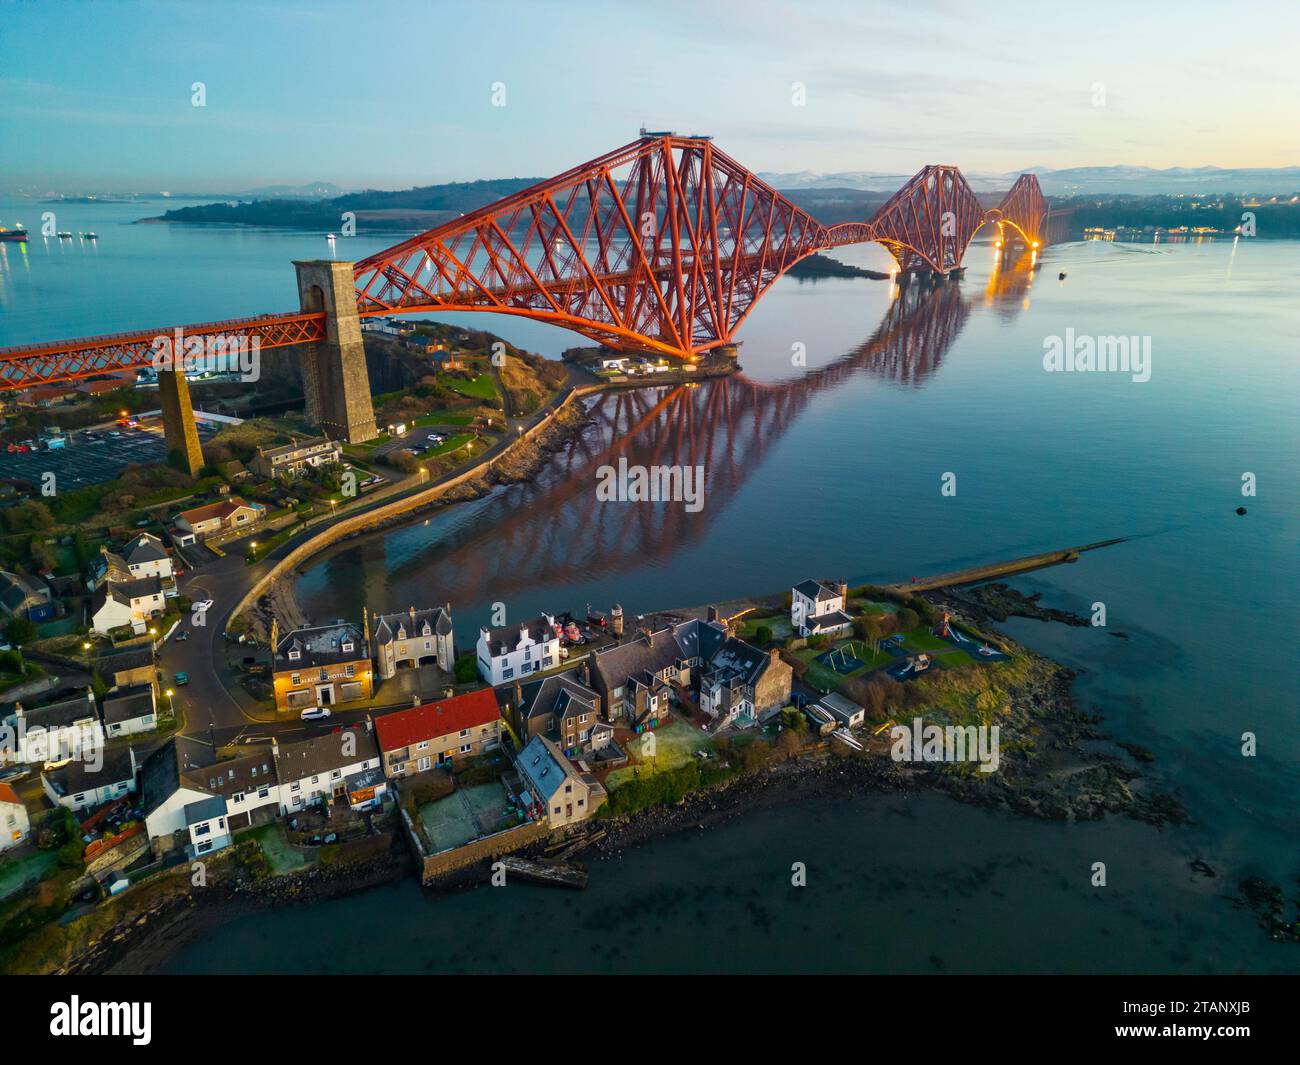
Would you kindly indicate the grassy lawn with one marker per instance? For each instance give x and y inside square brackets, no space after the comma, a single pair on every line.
[15,873]
[443,417]
[820,676]
[452,443]
[922,639]
[675,745]
[281,857]
[871,606]
[480,387]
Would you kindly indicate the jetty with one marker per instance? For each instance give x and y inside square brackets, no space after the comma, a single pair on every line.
[555,874]
[992,570]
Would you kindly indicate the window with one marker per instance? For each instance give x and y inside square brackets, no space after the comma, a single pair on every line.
[556,810]
[203,829]
[424,763]
[295,678]
[464,732]
[237,798]
[324,673]
[508,673]
[296,786]
[294,656]
[347,646]
[263,793]
[423,745]
[350,670]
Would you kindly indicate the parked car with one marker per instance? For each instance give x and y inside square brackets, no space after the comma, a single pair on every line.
[181,637]
[182,678]
[315,713]
[204,605]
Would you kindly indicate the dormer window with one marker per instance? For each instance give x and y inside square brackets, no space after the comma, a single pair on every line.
[294,655]
[348,646]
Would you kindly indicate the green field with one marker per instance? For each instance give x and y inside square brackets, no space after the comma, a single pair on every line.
[480,387]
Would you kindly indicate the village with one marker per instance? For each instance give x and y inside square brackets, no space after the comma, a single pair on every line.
[536,731]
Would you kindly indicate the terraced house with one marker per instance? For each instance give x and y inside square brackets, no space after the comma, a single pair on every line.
[321,665]
[564,708]
[511,651]
[438,734]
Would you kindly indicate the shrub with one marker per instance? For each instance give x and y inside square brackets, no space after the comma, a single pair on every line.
[763,635]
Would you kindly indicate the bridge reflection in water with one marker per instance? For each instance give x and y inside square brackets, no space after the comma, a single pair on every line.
[553,530]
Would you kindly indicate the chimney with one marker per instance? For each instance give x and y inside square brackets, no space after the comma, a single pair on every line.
[584,672]
[713,613]
[519,694]
[616,621]
[843,589]
[415,700]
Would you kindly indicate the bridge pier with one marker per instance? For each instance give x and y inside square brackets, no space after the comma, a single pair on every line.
[334,375]
[179,431]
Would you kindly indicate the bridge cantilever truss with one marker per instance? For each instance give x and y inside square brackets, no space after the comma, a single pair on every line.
[663,245]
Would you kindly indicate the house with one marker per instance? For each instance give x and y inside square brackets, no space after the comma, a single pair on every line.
[115,605]
[817,608]
[614,362]
[512,651]
[291,459]
[635,678]
[14,823]
[130,710]
[321,665]
[22,597]
[128,667]
[68,727]
[170,782]
[741,683]
[416,638]
[83,785]
[205,821]
[365,789]
[562,707]
[145,556]
[249,785]
[318,768]
[218,517]
[845,711]
[553,790]
[439,733]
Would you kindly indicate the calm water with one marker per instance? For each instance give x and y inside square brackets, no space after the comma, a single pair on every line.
[834,467]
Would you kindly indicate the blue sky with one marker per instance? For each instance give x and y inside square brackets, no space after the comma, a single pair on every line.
[98,96]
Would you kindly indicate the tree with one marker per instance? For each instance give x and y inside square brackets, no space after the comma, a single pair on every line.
[466,668]
[763,635]
[19,631]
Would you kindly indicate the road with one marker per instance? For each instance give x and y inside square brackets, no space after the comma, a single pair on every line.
[212,702]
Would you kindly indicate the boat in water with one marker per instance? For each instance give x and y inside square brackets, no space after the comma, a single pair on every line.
[18,234]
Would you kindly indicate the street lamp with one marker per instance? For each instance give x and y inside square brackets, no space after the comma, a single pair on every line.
[170,707]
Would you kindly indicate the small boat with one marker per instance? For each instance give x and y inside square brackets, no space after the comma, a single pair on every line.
[19,234]
[63,234]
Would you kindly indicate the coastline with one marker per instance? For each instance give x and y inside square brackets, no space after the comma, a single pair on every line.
[1072,772]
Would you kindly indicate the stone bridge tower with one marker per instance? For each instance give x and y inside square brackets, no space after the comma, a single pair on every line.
[334,375]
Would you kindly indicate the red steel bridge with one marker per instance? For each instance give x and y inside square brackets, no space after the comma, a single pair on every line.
[662,246]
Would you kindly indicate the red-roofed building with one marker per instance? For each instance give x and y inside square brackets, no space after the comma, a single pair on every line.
[438,733]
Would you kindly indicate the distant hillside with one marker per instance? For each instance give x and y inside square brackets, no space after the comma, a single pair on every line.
[375,209]
[1075,181]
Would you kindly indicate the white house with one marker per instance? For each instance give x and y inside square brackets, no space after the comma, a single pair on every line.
[67,728]
[131,603]
[169,782]
[320,767]
[416,638]
[83,785]
[14,824]
[205,819]
[130,710]
[513,651]
[145,556]
[816,608]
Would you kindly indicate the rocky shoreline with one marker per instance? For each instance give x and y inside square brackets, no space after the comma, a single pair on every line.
[1057,765]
